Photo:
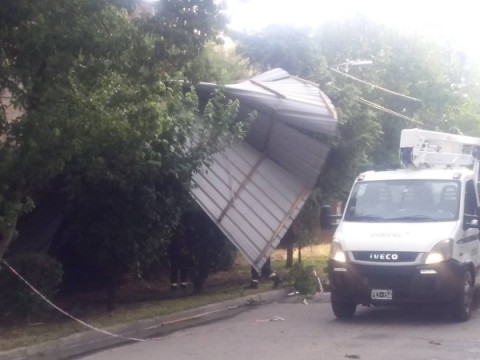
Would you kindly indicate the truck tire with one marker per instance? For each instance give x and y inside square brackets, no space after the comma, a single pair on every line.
[462,306]
[342,308]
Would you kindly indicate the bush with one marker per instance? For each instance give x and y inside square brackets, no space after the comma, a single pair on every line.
[42,271]
[208,249]
[303,279]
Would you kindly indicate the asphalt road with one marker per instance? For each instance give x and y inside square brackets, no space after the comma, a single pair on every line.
[293,330]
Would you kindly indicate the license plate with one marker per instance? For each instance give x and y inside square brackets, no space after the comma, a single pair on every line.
[382,294]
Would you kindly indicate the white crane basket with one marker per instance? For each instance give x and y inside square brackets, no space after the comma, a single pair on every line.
[423,148]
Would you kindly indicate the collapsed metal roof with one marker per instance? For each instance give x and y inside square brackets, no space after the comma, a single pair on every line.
[255,188]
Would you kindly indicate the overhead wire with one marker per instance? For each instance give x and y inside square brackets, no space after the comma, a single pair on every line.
[377,106]
[373,85]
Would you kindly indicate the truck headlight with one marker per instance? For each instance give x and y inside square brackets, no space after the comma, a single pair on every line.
[441,251]
[336,251]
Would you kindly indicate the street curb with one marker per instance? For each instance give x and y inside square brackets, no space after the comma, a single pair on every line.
[90,341]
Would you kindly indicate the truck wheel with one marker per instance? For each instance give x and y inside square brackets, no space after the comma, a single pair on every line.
[341,308]
[462,307]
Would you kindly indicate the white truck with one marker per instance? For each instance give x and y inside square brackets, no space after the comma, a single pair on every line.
[411,236]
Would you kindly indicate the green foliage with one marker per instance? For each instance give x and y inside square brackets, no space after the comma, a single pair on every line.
[442,79]
[41,271]
[291,49]
[180,29]
[106,113]
[208,248]
[63,62]
[218,64]
[303,279]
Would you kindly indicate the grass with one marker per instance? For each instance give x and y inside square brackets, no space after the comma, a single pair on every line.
[138,301]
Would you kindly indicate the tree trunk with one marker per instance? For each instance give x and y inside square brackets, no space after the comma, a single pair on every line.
[6,236]
[299,254]
[111,292]
[113,277]
[289,263]
[198,283]
[288,242]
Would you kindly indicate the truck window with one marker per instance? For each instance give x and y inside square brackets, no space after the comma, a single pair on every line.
[404,200]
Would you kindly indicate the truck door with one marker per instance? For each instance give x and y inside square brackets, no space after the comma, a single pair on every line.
[471,248]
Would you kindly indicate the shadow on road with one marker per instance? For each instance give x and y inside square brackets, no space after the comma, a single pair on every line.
[419,314]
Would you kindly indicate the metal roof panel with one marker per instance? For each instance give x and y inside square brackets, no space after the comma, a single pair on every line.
[255,188]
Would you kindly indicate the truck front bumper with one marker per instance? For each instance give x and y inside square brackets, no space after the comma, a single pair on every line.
[437,283]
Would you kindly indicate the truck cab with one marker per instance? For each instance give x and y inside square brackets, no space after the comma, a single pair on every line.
[411,236]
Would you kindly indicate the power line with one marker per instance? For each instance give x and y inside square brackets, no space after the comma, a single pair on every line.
[377,106]
[373,85]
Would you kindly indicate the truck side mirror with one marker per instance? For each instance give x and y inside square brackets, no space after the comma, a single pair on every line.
[327,220]
[470,222]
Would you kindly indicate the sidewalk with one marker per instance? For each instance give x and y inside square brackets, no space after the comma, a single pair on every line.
[89,341]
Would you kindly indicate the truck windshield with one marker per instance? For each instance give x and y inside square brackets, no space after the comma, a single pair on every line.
[404,201]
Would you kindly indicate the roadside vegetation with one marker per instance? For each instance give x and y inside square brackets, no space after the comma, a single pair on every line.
[139,300]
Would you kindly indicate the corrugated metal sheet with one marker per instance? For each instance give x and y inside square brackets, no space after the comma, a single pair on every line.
[251,198]
[254,189]
[292,149]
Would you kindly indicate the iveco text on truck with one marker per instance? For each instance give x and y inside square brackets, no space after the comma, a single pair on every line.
[411,235]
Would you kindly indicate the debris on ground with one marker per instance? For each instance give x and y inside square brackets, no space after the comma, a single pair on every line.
[273,318]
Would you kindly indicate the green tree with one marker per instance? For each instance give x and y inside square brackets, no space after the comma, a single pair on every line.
[440,78]
[106,113]
[218,64]
[180,29]
[208,250]
[292,49]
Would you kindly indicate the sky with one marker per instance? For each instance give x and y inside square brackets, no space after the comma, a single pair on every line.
[456,23]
